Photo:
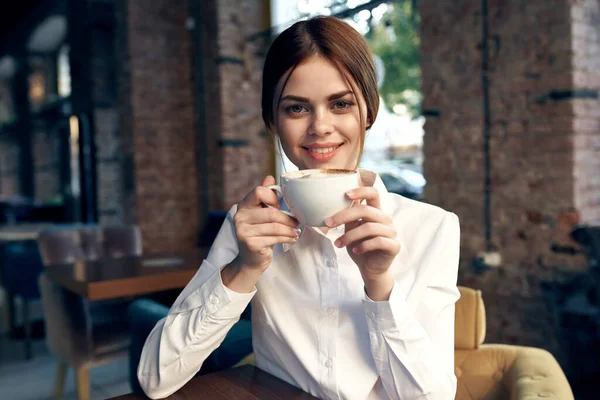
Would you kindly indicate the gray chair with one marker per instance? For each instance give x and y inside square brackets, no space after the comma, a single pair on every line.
[79,332]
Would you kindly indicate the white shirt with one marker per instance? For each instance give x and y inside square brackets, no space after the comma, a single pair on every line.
[312,324]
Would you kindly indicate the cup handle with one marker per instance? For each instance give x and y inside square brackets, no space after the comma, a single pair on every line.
[277,190]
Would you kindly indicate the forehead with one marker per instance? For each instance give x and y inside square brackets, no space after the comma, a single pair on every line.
[317,77]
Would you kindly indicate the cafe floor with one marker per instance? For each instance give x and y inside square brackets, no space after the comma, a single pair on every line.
[34,379]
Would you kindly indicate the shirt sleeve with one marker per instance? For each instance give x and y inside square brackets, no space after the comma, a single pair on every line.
[196,324]
[412,339]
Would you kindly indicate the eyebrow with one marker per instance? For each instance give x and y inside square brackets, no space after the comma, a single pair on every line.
[333,96]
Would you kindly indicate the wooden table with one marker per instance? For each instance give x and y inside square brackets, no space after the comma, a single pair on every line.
[31,230]
[128,276]
[242,383]
[22,232]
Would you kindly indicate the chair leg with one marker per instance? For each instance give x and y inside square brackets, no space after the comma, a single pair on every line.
[27,328]
[60,380]
[12,323]
[5,312]
[83,384]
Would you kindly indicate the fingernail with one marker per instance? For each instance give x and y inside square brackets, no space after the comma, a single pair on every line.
[350,193]
[329,222]
[338,243]
[355,250]
[298,231]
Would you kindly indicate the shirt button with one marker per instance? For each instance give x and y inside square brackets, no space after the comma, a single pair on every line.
[330,310]
[330,263]
[371,314]
[328,363]
[213,299]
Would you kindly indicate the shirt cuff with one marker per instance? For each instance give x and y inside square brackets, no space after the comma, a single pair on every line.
[387,315]
[215,297]
[235,296]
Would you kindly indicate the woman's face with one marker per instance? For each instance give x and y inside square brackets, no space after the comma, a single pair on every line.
[318,119]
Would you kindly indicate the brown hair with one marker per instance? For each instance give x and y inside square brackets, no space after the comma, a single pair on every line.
[328,37]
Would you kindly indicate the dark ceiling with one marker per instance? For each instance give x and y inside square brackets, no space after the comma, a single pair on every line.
[11,19]
[17,22]
[11,16]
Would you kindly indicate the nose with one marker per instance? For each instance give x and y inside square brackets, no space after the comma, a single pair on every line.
[320,124]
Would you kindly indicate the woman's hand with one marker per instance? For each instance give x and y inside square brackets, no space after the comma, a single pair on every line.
[259,228]
[370,238]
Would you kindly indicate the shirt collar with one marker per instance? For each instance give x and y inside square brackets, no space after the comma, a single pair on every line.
[370,178]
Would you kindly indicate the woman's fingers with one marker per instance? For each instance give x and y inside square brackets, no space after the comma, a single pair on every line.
[265,215]
[370,194]
[268,181]
[386,245]
[262,244]
[358,212]
[269,229]
[365,231]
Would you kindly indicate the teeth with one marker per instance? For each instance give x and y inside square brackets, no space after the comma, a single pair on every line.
[323,151]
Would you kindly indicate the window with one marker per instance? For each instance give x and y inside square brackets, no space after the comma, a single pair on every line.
[64,72]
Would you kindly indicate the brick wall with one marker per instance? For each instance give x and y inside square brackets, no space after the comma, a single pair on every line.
[540,162]
[157,122]
[585,36]
[187,151]
[239,152]
[245,167]
[451,64]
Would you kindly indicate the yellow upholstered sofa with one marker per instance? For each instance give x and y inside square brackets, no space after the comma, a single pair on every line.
[496,371]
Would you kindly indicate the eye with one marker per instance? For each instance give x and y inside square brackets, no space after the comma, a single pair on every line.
[295,109]
[342,104]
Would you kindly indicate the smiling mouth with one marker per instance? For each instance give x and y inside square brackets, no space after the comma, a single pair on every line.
[325,150]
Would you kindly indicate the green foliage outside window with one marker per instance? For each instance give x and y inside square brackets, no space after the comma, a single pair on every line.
[395,38]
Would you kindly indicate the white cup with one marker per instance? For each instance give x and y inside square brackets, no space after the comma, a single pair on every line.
[313,195]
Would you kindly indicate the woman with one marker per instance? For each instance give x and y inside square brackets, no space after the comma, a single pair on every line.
[360,309]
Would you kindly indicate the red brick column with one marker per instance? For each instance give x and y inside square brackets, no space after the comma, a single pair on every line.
[157,122]
[544,120]
[190,146]
[238,150]
[585,32]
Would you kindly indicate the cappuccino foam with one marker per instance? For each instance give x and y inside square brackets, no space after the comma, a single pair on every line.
[321,174]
